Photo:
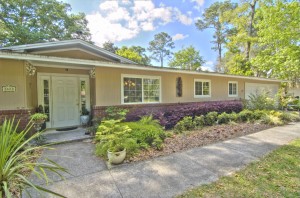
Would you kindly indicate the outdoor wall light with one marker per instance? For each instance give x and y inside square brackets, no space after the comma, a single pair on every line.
[30,69]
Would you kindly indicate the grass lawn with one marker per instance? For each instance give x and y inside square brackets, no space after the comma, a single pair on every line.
[275,175]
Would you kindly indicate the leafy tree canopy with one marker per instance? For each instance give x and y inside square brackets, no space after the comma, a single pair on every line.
[110,46]
[129,54]
[211,18]
[242,41]
[279,37]
[141,51]
[161,47]
[187,58]
[32,21]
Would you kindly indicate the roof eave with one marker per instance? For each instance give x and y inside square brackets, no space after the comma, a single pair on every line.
[23,48]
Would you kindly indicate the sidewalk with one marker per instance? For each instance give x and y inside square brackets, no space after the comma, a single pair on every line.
[171,175]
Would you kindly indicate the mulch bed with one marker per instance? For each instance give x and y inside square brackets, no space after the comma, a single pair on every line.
[198,138]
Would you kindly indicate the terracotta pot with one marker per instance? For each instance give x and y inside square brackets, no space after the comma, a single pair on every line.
[116,157]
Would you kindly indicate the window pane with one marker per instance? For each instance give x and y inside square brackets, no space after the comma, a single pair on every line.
[135,88]
[198,88]
[202,88]
[205,88]
[46,99]
[132,90]
[151,90]
[232,88]
[234,91]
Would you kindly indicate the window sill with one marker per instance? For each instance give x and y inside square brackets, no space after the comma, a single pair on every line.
[135,103]
[205,96]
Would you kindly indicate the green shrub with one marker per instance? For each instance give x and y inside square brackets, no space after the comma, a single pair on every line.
[246,115]
[295,116]
[258,114]
[149,121]
[223,118]
[261,100]
[211,118]
[285,117]
[115,113]
[186,124]
[199,121]
[113,136]
[148,134]
[271,120]
[233,117]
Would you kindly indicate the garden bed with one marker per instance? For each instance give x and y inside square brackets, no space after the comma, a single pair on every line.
[198,138]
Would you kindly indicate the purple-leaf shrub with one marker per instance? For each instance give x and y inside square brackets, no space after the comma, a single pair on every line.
[169,115]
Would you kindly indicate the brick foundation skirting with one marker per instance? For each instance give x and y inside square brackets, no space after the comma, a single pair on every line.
[19,114]
[99,111]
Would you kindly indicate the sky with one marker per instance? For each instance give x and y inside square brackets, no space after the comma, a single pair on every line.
[135,22]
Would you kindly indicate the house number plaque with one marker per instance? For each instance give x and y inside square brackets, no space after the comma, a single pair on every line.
[9,88]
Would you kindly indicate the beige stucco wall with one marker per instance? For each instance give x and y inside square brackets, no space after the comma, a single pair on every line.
[108,86]
[12,72]
[31,91]
[295,91]
[61,70]
[74,54]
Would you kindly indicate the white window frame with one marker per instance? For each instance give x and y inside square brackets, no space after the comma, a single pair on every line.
[202,96]
[237,89]
[142,77]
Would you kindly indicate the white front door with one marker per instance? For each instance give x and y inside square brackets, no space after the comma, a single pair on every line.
[65,101]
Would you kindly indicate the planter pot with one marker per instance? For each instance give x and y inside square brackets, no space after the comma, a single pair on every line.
[84,119]
[38,124]
[116,157]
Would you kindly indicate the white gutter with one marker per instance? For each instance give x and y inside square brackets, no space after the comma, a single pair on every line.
[31,57]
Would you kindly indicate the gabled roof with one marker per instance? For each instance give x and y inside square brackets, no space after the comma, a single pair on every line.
[68,44]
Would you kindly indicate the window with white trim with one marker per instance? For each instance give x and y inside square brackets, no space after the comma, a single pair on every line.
[202,88]
[144,89]
[232,88]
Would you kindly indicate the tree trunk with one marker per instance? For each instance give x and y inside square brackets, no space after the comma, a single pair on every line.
[220,51]
[251,30]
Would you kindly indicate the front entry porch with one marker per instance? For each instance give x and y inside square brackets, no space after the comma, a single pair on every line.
[62,97]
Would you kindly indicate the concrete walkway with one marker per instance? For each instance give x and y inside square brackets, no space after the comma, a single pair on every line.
[171,175]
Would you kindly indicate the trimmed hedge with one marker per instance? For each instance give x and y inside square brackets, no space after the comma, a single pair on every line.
[168,116]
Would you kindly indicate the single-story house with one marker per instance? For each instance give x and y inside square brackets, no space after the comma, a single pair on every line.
[65,76]
[295,92]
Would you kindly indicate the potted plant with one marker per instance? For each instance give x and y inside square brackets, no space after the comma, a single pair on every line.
[113,138]
[38,120]
[85,116]
[40,109]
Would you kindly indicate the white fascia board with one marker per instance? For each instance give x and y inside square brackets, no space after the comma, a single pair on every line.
[28,57]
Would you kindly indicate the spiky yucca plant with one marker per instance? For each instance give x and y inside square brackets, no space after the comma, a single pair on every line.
[17,156]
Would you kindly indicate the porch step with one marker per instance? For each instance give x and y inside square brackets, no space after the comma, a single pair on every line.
[60,137]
